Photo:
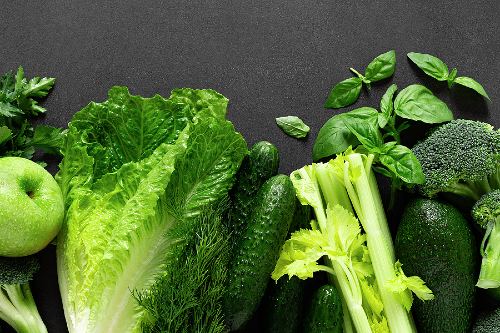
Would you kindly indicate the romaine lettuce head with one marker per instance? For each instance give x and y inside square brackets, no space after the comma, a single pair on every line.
[134,170]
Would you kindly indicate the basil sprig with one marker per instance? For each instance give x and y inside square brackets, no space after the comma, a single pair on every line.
[293,126]
[436,68]
[379,132]
[347,92]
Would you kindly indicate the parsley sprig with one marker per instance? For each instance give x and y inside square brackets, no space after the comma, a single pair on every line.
[18,106]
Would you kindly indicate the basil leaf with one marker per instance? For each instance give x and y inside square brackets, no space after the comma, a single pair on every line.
[363,114]
[381,67]
[387,106]
[451,77]
[333,138]
[431,65]
[363,123]
[344,93]
[5,134]
[416,102]
[472,84]
[293,126]
[402,162]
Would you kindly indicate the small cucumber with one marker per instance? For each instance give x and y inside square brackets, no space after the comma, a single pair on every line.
[435,242]
[258,166]
[284,299]
[325,313]
[258,249]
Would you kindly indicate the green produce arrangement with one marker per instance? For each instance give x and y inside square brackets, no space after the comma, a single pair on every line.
[165,221]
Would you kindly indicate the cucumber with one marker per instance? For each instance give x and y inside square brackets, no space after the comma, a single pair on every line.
[284,305]
[435,242]
[258,250]
[325,313]
[284,299]
[258,166]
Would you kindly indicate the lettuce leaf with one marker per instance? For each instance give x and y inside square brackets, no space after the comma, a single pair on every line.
[134,170]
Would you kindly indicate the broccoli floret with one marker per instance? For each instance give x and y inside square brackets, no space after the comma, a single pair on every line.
[460,157]
[17,306]
[486,212]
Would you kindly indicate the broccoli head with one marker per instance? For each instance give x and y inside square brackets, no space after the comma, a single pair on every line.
[17,270]
[17,306]
[486,211]
[460,157]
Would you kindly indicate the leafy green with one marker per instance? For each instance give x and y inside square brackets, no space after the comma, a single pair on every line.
[333,138]
[17,107]
[293,126]
[403,286]
[387,106]
[472,84]
[347,92]
[366,131]
[402,163]
[436,68]
[344,93]
[5,134]
[416,102]
[382,67]
[430,64]
[135,171]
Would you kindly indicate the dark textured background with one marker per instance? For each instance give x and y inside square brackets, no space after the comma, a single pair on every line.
[270,58]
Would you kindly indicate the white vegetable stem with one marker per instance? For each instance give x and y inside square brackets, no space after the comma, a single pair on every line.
[349,288]
[366,200]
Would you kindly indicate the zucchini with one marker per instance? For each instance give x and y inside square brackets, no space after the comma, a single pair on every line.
[284,299]
[258,166]
[435,242]
[325,314]
[258,250]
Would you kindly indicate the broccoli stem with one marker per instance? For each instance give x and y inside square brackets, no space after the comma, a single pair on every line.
[364,191]
[18,309]
[489,277]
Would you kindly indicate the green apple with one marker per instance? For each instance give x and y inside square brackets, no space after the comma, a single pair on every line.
[31,207]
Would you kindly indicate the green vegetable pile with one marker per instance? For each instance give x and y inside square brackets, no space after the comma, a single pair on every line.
[171,224]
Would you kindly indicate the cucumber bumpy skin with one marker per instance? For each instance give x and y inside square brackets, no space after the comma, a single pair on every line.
[259,165]
[435,242]
[258,250]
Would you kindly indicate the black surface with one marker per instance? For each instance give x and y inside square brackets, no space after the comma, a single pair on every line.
[269,58]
